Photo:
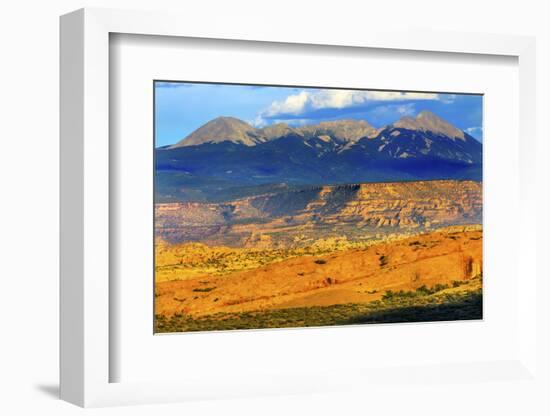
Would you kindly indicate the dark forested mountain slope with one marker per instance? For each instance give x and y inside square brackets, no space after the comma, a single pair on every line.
[228,158]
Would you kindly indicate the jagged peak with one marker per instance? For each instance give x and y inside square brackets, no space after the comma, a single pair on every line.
[221,129]
[345,122]
[347,130]
[428,121]
[276,130]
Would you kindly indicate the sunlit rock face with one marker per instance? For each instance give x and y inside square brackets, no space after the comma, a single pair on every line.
[356,210]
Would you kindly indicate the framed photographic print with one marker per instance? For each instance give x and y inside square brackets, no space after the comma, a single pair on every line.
[280,206]
[267,212]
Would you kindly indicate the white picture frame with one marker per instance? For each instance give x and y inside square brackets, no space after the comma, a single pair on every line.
[85,211]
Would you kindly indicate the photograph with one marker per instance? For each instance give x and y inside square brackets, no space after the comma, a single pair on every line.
[295,208]
[298,206]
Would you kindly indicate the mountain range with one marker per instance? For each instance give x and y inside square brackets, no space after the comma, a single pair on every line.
[228,158]
[230,129]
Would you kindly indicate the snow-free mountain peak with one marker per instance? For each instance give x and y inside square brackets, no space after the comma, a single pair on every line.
[276,130]
[340,134]
[342,130]
[428,121]
[222,129]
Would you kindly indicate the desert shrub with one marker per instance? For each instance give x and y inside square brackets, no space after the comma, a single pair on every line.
[439,287]
[407,294]
[424,290]
[397,306]
[390,294]
[397,296]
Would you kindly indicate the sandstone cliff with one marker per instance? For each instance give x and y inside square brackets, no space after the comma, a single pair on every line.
[354,211]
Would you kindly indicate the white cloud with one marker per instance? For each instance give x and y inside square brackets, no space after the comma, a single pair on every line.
[447,98]
[298,121]
[405,109]
[393,110]
[474,131]
[258,122]
[305,101]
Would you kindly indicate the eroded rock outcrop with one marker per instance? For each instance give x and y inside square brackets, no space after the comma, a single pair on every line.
[324,212]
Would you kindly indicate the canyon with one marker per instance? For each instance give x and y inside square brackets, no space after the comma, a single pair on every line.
[290,218]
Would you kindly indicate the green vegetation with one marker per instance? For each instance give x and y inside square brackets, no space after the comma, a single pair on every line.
[192,260]
[422,305]
[421,291]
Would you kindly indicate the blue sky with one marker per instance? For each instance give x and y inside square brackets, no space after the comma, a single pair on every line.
[181,108]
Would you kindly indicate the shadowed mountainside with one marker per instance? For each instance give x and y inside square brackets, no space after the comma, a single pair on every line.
[328,224]
[298,217]
[228,158]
